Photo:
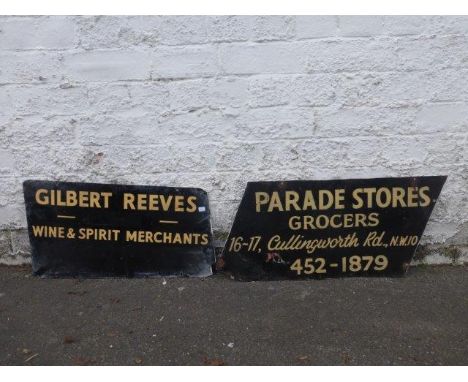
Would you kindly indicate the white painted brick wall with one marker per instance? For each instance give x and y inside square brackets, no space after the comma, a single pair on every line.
[214,102]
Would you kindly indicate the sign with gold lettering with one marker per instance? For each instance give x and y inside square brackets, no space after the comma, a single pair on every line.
[300,229]
[89,229]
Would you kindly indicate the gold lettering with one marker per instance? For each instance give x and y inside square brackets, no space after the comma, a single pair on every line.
[128,201]
[294,222]
[292,197]
[179,203]
[192,206]
[166,203]
[398,195]
[141,202]
[412,196]
[275,202]
[309,202]
[358,202]
[41,197]
[260,199]
[153,203]
[426,200]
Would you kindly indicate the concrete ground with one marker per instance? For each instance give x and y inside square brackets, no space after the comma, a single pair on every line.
[421,319]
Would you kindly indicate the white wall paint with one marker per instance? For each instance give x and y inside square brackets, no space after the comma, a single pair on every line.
[214,102]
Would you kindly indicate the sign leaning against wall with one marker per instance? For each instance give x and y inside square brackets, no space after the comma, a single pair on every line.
[301,229]
[89,229]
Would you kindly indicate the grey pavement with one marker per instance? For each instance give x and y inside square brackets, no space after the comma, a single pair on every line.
[420,319]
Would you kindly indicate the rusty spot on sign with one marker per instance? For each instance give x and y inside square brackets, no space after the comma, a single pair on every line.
[272,257]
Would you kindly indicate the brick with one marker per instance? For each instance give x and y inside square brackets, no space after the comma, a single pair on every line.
[237,156]
[301,90]
[401,88]
[45,32]
[198,126]
[5,245]
[423,150]
[107,65]
[262,58]
[272,123]
[212,93]
[263,124]
[183,30]
[449,84]
[442,25]
[21,249]
[222,213]
[391,89]
[230,28]
[12,216]
[14,247]
[7,161]
[138,129]
[52,161]
[435,53]
[364,121]
[350,55]
[43,100]
[30,67]
[127,98]
[128,159]
[316,26]
[271,28]
[104,32]
[360,26]
[184,62]
[29,130]
[9,187]
[441,117]
[405,25]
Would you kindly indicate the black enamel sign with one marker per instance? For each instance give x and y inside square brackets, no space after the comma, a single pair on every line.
[299,229]
[87,229]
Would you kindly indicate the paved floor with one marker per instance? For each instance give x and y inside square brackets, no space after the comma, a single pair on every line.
[419,319]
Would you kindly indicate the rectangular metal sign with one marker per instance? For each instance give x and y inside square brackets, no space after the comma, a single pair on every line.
[89,229]
[300,229]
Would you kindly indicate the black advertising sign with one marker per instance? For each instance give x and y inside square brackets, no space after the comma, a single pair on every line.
[88,229]
[300,229]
